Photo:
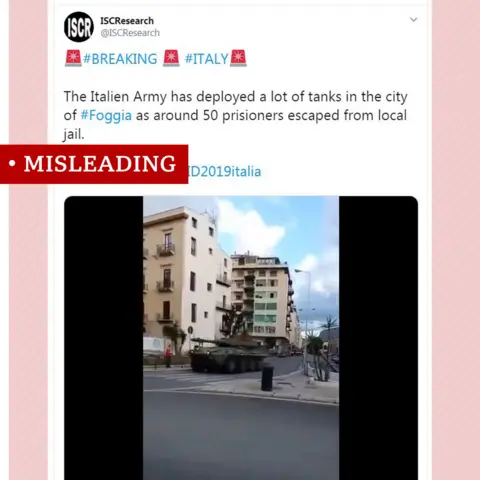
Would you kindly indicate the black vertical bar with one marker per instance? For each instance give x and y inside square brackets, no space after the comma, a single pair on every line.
[379,337]
[103,337]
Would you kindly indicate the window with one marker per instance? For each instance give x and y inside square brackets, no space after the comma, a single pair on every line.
[270,329]
[260,306]
[166,310]
[210,251]
[194,222]
[168,240]
[225,277]
[225,262]
[167,277]
[193,278]
[238,296]
[241,261]
[194,312]
[239,284]
[262,283]
[273,283]
[273,273]
[209,287]
[224,301]
[262,273]
[272,306]
[266,295]
[205,314]
[258,329]
[194,246]
[261,318]
[210,231]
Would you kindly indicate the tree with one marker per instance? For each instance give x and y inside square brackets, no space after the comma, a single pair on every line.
[233,323]
[314,347]
[176,335]
[328,325]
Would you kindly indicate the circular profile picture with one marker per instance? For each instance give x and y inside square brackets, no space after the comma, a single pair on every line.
[78,27]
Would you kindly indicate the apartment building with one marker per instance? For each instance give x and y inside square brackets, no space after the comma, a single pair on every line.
[186,274]
[295,329]
[263,290]
[223,294]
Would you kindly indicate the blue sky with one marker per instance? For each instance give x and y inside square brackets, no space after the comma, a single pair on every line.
[302,231]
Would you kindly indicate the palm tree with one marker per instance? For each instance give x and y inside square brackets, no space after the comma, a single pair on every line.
[314,346]
[328,325]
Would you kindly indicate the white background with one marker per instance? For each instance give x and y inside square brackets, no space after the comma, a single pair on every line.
[354,48]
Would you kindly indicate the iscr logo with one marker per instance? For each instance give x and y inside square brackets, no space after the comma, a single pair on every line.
[78,27]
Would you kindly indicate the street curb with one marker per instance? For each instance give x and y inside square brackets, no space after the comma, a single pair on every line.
[253,395]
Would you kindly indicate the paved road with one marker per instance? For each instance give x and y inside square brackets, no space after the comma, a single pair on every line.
[186,379]
[196,436]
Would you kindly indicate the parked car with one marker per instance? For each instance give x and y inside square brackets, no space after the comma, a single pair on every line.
[282,352]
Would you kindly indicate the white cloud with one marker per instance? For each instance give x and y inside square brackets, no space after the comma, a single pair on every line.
[324,270]
[158,204]
[249,230]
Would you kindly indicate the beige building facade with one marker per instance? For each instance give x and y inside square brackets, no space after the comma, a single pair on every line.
[263,290]
[187,276]
[295,330]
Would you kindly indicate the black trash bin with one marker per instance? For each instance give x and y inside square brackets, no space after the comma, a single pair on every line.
[267,378]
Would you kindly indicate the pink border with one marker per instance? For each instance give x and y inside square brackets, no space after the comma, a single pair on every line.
[456,240]
[28,231]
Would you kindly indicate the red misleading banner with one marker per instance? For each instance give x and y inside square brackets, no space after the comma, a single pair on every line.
[94,164]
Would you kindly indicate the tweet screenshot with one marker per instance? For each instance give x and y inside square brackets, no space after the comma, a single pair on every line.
[234,177]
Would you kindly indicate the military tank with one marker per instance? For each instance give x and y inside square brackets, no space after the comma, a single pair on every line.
[227,355]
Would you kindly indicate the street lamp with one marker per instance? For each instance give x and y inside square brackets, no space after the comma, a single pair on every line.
[297,270]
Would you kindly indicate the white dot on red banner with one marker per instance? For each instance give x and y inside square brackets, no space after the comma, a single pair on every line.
[11,163]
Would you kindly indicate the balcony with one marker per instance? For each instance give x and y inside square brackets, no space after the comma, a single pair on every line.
[145,253]
[249,298]
[249,276]
[224,280]
[248,307]
[290,282]
[166,250]
[291,291]
[164,319]
[168,286]
[145,288]
[223,306]
[249,286]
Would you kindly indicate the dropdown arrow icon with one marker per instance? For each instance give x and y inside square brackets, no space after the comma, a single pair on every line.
[413,19]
